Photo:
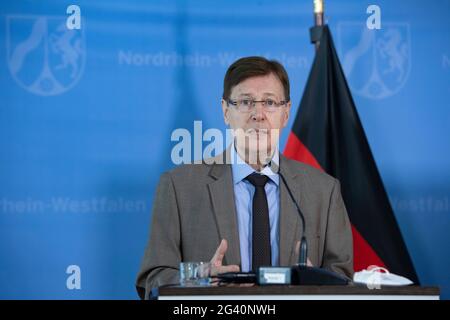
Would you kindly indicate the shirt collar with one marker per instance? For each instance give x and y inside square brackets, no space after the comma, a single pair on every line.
[241,169]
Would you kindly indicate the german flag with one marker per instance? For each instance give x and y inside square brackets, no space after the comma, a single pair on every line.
[327,134]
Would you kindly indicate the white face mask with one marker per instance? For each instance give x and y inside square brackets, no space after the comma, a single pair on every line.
[378,276]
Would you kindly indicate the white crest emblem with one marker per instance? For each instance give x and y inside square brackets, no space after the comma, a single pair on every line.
[376,62]
[43,56]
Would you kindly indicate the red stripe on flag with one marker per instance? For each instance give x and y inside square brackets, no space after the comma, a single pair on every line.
[363,254]
[296,150]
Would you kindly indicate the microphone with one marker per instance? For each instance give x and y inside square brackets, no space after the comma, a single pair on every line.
[302,274]
[303,254]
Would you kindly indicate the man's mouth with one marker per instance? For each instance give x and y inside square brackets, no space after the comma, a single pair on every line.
[257,131]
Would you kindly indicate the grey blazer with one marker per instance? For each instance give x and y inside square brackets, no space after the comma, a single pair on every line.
[194,209]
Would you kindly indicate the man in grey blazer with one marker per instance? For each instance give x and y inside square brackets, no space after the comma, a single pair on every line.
[216,211]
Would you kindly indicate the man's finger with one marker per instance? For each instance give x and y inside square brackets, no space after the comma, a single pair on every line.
[220,253]
[223,269]
[230,268]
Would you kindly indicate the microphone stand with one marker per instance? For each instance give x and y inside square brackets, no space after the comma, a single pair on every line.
[301,273]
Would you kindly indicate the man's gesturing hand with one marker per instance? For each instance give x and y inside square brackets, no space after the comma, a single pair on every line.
[216,261]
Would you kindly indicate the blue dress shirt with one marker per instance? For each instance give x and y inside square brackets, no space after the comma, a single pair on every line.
[243,195]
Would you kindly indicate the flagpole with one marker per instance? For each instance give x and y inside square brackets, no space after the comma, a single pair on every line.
[318,17]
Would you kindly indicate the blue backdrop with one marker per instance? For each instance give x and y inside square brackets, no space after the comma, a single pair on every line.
[86,118]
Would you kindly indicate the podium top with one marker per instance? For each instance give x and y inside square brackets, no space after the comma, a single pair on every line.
[297,292]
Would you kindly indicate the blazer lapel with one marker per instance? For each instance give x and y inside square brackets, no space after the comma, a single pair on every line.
[222,197]
[290,222]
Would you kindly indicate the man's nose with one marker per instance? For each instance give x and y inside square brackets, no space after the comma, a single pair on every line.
[258,112]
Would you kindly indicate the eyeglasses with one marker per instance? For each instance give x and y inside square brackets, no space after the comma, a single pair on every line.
[246,105]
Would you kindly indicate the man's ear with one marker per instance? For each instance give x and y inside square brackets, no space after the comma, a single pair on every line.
[225,111]
[287,112]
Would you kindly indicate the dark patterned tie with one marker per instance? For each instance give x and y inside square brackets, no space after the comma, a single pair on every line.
[261,227]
